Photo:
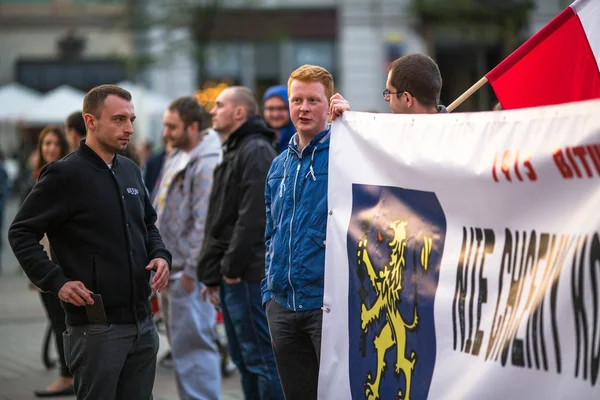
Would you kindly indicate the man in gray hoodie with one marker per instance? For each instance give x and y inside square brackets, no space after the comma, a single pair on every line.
[182,206]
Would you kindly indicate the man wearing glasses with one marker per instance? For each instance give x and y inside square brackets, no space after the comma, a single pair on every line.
[413,86]
[276,113]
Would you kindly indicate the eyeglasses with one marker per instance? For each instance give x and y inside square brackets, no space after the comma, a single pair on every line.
[273,109]
[387,92]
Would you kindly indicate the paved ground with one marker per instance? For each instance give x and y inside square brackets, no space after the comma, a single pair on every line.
[22,324]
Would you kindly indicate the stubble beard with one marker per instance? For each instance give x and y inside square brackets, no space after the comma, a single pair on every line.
[182,142]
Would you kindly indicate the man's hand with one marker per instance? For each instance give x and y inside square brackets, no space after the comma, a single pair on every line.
[75,292]
[161,277]
[231,281]
[337,106]
[211,293]
[187,283]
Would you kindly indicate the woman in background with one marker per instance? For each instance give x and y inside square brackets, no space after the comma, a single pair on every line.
[52,146]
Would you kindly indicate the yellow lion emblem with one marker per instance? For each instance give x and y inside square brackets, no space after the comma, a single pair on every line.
[388,287]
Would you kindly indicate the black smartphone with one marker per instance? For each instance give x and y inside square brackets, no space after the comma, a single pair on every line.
[95,312]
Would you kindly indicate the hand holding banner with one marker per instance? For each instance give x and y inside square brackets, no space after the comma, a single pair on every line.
[463,256]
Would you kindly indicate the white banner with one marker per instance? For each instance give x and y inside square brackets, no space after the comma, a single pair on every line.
[463,256]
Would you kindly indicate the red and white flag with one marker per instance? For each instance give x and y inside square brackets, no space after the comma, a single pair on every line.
[559,64]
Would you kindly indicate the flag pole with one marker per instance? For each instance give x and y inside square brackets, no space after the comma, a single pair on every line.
[467,94]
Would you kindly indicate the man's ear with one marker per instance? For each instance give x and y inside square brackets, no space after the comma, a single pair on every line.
[409,99]
[90,121]
[194,127]
[239,113]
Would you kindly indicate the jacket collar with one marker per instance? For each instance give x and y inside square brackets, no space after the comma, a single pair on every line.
[320,142]
[254,125]
[94,158]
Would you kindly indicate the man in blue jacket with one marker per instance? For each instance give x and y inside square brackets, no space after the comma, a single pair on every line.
[296,205]
[276,114]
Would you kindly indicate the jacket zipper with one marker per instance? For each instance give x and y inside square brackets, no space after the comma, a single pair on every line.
[133,296]
[291,231]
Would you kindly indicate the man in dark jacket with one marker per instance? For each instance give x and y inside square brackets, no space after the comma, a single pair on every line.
[233,252]
[94,208]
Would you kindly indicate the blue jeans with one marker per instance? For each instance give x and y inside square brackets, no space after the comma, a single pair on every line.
[249,340]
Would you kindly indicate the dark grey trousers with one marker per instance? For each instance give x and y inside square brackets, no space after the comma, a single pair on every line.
[296,341]
[112,361]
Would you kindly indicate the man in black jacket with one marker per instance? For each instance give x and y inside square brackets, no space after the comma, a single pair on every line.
[95,210]
[233,253]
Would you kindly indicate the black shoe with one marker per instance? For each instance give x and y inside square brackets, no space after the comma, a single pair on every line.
[55,393]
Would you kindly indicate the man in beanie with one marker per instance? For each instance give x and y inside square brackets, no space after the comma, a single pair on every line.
[277,115]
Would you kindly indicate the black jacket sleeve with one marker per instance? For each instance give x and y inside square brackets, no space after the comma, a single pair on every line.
[154,246]
[43,210]
[254,163]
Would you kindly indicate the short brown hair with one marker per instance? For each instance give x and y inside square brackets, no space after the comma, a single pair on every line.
[62,142]
[95,98]
[419,75]
[189,110]
[313,73]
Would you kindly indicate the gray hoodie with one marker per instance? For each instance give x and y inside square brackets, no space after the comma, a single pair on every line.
[183,208]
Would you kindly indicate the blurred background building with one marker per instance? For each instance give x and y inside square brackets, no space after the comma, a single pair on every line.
[162,49]
[257,43]
[48,43]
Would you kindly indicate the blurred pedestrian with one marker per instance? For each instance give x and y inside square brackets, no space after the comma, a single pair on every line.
[296,204]
[276,113]
[233,251]
[52,146]
[191,319]
[75,129]
[94,208]
[153,170]
[133,154]
[413,86]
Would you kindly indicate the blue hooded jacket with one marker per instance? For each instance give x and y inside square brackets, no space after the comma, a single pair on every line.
[296,203]
[286,133]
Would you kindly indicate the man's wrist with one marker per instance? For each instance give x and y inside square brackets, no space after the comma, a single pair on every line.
[57,284]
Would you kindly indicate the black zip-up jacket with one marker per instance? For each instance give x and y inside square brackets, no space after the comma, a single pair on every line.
[234,243]
[100,224]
